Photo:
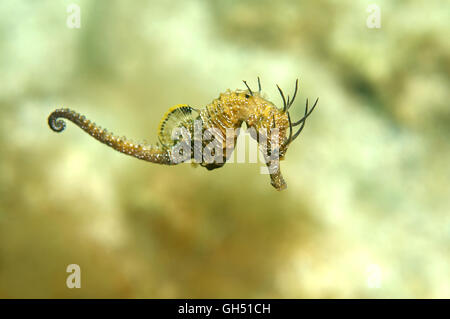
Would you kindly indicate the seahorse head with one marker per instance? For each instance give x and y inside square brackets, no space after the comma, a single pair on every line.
[267,118]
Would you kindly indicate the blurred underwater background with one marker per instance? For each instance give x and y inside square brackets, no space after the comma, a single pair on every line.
[366,211]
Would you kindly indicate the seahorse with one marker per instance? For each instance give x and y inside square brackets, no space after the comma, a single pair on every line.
[227,112]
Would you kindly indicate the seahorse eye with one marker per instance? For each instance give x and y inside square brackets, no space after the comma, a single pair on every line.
[247,96]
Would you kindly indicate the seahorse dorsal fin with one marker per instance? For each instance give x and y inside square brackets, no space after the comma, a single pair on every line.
[180,115]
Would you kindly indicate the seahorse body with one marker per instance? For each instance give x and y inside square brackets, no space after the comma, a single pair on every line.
[229,111]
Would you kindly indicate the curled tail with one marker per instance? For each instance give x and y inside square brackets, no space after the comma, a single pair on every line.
[154,154]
